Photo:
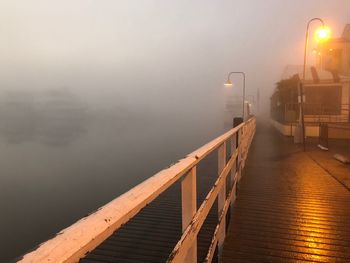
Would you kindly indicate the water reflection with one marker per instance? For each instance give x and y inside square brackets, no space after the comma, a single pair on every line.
[53,117]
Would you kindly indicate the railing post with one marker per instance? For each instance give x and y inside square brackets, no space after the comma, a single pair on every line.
[189,208]
[233,171]
[236,137]
[239,155]
[221,196]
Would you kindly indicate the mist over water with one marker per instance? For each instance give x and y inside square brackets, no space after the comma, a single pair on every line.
[63,156]
[53,117]
[97,96]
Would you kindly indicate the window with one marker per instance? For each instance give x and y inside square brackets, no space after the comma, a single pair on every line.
[323,100]
[333,60]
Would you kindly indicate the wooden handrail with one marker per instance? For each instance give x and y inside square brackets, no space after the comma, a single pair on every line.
[74,242]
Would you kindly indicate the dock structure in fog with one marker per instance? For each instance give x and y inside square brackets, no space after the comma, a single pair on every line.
[286,208]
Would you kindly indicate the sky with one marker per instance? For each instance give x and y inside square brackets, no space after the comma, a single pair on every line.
[172,54]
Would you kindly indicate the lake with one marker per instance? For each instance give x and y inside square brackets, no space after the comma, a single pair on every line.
[63,156]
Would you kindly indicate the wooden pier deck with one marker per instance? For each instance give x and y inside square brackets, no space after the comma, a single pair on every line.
[288,208]
[177,215]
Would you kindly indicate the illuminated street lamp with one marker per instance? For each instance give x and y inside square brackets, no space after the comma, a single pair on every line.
[322,34]
[229,83]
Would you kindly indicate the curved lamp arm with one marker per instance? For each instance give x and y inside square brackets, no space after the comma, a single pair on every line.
[307,40]
[230,83]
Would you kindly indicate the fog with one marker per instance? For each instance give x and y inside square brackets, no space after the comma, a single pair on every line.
[145,52]
[96,96]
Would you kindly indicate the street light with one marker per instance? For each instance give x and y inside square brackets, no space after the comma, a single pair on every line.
[228,83]
[322,35]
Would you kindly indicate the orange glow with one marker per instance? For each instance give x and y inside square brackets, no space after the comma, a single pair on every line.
[323,34]
[228,83]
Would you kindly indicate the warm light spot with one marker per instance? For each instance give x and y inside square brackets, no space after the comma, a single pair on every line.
[323,34]
[331,49]
[228,83]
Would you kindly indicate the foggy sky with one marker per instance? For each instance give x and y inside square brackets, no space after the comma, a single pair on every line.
[173,54]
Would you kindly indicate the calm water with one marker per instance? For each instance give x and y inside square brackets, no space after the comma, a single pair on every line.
[62,157]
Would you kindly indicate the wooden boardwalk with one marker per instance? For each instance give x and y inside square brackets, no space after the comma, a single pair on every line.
[288,208]
[177,215]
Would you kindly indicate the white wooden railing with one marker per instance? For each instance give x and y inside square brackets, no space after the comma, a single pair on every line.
[74,242]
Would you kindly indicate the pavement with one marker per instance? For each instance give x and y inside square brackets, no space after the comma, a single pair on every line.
[326,160]
[292,206]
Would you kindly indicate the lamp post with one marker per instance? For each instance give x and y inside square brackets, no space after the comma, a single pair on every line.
[322,35]
[228,83]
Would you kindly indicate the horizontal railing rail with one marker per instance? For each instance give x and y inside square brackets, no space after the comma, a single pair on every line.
[74,242]
[314,112]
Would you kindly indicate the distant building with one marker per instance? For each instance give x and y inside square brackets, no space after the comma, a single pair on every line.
[327,100]
[334,55]
[326,89]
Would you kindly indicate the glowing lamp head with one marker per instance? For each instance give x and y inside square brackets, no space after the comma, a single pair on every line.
[323,34]
[228,83]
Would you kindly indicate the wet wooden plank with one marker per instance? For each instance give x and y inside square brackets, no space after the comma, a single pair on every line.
[288,208]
